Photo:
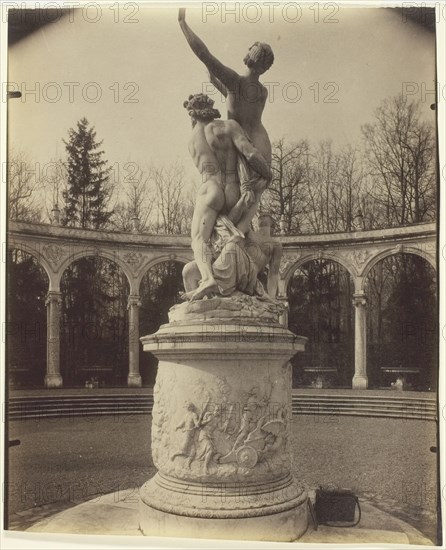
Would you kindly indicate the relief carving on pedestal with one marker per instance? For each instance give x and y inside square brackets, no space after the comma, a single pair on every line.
[190,423]
[229,435]
[160,416]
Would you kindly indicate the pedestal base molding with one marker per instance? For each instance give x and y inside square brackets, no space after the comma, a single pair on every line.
[274,511]
[221,500]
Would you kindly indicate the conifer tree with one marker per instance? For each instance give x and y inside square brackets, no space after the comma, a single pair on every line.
[91,286]
[88,180]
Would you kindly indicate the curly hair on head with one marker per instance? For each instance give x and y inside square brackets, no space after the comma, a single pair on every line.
[200,107]
[259,55]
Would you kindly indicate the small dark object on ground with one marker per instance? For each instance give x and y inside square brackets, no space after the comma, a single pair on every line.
[336,505]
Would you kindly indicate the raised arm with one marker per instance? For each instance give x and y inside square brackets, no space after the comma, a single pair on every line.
[224,74]
[220,87]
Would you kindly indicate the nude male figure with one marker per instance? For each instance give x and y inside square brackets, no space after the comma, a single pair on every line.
[215,146]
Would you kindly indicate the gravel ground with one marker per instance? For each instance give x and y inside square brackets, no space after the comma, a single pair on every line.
[387,461]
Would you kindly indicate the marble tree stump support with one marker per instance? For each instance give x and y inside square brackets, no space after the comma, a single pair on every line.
[220,428]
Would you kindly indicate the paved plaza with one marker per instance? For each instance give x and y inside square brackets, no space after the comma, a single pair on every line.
[62,462]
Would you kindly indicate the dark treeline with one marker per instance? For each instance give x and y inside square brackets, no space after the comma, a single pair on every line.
[401,323]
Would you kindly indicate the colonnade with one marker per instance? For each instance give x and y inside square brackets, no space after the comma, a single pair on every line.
[53,377]
[55,248]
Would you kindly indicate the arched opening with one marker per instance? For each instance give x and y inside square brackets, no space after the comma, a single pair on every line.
[401,294]
[94,323]
[320,302]
[160,289]
[25,330]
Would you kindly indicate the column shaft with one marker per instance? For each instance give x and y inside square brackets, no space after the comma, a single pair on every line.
[360,380]
[134,377]
[53,378]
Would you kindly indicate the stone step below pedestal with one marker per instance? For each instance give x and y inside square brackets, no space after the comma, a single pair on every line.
[118,514]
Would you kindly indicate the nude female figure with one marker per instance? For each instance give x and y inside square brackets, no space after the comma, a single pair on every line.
[246,95]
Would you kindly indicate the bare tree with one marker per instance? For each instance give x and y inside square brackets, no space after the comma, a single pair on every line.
[318,190]
[23,186]
[135,209]
[173,200]
[285,197]
[401,158]
[324,215]
[348,193]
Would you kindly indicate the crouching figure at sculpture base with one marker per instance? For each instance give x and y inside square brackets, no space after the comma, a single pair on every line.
[222,398]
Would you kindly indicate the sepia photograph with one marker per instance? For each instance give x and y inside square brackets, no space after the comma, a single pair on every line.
[222,259]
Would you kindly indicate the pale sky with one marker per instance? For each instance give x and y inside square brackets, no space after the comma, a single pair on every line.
[368,55]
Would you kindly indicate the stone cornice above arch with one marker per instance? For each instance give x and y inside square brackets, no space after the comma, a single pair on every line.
[421,230]
[74,233]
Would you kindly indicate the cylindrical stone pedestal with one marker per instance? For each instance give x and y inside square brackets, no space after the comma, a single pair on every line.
[222,407]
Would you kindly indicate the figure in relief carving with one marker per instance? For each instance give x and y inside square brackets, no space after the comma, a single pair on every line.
[252,412]
[206,444]
[189,426]
[258,438]
[224,207]
[199,441]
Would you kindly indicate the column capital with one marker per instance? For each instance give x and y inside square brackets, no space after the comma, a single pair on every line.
[359,299]
[133,300]
[53,296]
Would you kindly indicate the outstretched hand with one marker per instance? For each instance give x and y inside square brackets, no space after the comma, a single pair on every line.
[182,15]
